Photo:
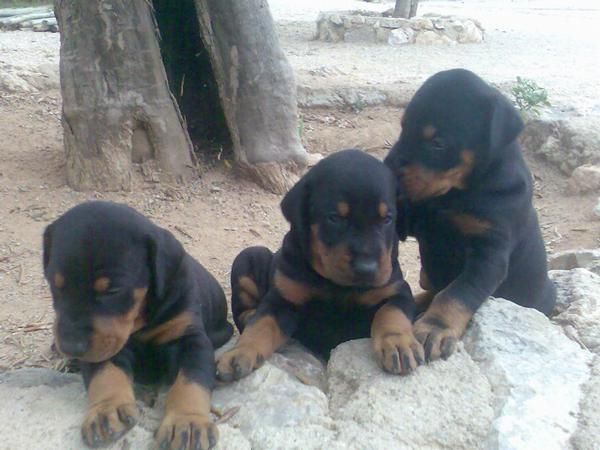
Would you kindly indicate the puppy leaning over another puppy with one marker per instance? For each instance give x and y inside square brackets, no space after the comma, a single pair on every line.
[469,204]
[336,276]
[130,302]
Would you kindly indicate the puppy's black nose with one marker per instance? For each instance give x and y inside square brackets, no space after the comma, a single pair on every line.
[73,348]
[365,267]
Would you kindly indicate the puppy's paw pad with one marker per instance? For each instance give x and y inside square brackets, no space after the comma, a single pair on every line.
[399,353]
[237,363]
[186,432]
[439,341]
[108,421]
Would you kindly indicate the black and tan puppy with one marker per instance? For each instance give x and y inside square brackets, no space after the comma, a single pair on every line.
[131,303]
[336,276]
[469,204]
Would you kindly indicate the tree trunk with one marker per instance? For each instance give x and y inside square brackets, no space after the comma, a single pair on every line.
[117,107]
[257,89]
[406,8]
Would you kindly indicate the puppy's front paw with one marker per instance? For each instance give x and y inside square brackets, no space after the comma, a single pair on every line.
[438,339]
[398,353]
[238,362]
[186,432]
[107,421]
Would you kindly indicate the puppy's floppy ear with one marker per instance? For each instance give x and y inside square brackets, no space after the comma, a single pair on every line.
[505,124]
[47,243]
[165,255]
[295,207]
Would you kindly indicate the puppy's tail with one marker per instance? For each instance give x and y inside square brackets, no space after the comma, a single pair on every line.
[250,275]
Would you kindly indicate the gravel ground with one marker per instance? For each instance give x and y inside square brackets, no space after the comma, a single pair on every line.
[556,43]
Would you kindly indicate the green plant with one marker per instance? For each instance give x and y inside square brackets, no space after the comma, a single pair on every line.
[23,3]
[529,97]
[300,127]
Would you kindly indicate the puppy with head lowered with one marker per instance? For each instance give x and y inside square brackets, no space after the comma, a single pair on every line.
[336,276]
[131,303]
[469,204]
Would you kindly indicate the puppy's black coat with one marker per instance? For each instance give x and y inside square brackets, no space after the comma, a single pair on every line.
[336,276]
[468,201]
[130,302]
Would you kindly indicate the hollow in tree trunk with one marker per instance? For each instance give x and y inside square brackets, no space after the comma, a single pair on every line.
[215,79]
[117,106]
[406,8]
[257,89]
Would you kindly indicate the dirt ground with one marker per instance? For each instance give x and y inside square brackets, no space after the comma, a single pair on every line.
[215,217]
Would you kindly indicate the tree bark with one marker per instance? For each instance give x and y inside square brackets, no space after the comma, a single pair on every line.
[257,89]
[406,8]
[117,107]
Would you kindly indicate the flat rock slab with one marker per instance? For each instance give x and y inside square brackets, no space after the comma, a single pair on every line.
[518,382]
[373,27]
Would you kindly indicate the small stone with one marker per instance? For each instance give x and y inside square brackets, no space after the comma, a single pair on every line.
[401,36]
[584,179]
[576,259]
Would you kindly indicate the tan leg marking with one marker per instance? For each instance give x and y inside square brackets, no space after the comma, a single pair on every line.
[393,342]
[259,340]
[186,423]
[111,407]
[293,291]
[248,285]
[442,325]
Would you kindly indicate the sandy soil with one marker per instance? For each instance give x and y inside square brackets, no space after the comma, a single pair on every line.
[216,216]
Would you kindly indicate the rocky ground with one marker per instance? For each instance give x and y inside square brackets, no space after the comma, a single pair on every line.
[502,390]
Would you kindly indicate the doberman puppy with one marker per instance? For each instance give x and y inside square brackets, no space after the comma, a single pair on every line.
[336,276]
[131,303]
[468,201]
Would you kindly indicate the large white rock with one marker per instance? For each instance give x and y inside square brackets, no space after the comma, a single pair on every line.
[445,405]
[578,305]
[272,399]
[518,383]
[587,436]
[536,373]
[42,409]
